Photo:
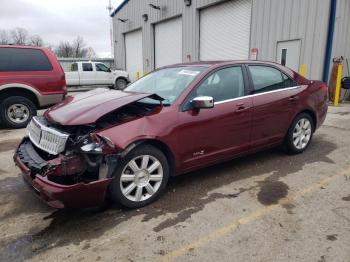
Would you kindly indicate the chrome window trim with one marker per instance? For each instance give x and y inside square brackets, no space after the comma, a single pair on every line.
[253,95]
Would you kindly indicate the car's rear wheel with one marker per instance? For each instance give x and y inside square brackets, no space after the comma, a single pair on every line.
[120,84]
[299,134]
[140,178]
[16,112]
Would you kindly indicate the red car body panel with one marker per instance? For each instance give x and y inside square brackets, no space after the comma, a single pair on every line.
[88,107]
[194,139]
[43,83]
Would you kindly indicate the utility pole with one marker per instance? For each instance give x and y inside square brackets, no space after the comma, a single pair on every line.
[110,9]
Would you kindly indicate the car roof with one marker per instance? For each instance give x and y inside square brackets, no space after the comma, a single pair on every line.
[21,46]
[215,64]
[223,62]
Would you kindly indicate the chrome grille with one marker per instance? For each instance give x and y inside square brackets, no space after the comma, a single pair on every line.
[46,138]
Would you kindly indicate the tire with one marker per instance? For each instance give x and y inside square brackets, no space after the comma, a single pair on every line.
[297,141]
[131,189]
[8,115]
[120,84]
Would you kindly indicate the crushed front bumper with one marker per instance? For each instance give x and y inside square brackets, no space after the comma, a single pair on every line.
[56,195]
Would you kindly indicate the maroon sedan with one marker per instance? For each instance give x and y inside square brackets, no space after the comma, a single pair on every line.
[179,118]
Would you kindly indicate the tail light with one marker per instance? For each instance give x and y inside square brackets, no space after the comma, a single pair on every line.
[324,88]
[64,86]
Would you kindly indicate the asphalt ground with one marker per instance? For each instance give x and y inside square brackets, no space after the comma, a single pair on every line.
[265,207]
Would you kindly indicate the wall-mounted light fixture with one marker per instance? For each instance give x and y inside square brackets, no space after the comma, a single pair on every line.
[188,2]
[154,6]
[145,17]
[123,20]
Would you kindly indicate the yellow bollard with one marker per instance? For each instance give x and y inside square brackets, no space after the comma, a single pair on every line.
[137,75]
[144,72]
[337,87]
[303,70]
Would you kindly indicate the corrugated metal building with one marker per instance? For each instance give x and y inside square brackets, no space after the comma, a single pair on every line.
[294,32]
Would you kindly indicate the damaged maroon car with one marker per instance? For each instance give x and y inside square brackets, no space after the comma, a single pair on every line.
[172,121]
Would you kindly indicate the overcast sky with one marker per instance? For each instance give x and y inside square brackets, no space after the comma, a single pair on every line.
[57,20]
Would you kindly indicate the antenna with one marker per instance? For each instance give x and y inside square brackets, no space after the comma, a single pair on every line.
[109,7]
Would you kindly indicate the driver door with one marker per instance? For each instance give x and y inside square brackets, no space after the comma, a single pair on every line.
[212,135]
[103,75]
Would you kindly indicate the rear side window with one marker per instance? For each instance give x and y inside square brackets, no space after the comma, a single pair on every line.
[87,67]
[23,60]
[267,78]
[74,67]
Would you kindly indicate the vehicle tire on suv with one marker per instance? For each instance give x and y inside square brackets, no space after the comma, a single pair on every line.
[299,134]
[120,84]
[140,178]
[16,111]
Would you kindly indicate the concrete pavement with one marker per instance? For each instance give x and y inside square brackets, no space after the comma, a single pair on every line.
[264,207]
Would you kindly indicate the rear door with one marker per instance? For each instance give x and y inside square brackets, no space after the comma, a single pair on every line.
[221,132]
[275,102]
[72,76]
[87,74]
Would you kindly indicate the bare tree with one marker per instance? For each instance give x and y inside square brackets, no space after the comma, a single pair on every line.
[36,40]
[4,37]
[19,36]
[64,49]
[90,53]
[79,49]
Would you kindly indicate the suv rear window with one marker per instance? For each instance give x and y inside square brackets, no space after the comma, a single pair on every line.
[23,60]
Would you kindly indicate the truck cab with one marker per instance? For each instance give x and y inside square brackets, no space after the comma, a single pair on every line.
[96,73]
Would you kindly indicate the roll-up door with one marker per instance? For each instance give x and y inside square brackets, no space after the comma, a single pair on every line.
[133,54]
[225,31]
[168,42]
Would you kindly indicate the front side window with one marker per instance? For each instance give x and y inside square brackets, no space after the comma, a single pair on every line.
[168,83]
[87,67]
[102,68]
[222,85]
[23,60]
[267,79]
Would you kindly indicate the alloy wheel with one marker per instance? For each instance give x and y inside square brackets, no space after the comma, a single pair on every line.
[302,133]
[141,178]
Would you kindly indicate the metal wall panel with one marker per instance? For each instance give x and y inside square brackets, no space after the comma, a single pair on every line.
[341,42]
[272,21]
[282,20]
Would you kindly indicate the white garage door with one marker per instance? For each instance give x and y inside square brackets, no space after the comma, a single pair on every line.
[133,54]
[168,42]
[225,31]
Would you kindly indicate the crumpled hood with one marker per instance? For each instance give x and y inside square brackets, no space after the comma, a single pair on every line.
[88,107]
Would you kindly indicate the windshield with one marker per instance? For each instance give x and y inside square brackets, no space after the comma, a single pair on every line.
[168,83]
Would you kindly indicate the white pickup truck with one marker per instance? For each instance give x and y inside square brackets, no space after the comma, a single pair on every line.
[96,73]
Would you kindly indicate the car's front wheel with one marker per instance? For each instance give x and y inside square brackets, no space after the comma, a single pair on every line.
[140,178]
[299,134]
[16,111]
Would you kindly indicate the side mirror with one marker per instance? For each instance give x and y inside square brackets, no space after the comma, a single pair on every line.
[109,70]
[202,102]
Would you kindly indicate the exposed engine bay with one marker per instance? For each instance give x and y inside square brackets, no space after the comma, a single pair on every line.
[86,156]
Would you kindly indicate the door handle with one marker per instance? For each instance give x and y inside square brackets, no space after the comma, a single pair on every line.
[293,98]
[241,108]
